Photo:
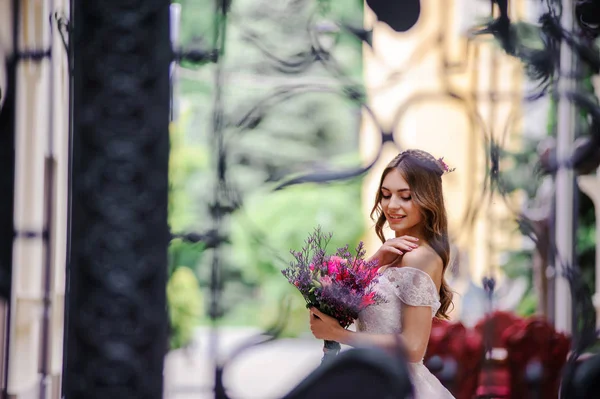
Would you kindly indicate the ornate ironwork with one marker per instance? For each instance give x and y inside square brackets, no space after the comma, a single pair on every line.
[116,328]
[228,197]
[542,65]
[116,291]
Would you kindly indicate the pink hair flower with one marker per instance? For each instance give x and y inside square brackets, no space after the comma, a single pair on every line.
[445,166]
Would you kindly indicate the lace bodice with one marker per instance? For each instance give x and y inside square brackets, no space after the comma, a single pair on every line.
[399,286]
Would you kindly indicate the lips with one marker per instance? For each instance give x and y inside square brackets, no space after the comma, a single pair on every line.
[396,217]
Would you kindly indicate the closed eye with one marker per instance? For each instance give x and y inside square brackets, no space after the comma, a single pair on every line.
[388,196]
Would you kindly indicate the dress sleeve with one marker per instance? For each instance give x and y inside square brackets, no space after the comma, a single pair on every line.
[414,287]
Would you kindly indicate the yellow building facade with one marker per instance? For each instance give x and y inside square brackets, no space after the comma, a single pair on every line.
[453,96]
[33,328]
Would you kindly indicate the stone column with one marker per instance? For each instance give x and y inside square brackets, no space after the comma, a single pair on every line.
[116,315]
[26,374]
[564,180]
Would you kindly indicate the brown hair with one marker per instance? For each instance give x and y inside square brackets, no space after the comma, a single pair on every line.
[423,173]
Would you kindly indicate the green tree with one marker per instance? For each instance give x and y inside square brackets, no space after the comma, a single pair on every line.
[314,130]
[185,306]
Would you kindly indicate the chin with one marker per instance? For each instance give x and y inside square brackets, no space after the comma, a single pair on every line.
[400,227]
[397,227]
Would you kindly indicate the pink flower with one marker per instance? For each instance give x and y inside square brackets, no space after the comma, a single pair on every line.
[325,281]
[343,274]
[369,272]
[332,268]
[334,264]
[367,300]
[337,259]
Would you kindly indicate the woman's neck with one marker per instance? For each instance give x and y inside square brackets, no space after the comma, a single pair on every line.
[415,231]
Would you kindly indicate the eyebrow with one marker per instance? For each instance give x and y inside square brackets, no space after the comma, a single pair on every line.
[398,191]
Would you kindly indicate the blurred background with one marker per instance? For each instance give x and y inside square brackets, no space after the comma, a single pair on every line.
[282,116]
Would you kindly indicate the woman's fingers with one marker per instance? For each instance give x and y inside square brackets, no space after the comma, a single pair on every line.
[405,240]
[316,312]
[321,316]
[394,250]
[402,246]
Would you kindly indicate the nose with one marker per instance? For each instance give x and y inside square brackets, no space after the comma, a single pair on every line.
[394,204]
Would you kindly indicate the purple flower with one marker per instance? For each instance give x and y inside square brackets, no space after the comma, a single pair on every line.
[340,285]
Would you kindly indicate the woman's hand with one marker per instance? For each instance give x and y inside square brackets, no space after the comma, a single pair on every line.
[323,326]
[393,249]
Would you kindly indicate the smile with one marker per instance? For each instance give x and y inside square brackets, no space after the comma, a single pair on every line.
[396,217]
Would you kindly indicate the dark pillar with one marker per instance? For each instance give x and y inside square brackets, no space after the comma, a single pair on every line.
[7,176]
[7,194]
[116,327]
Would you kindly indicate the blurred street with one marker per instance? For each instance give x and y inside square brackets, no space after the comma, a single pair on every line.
[268,371]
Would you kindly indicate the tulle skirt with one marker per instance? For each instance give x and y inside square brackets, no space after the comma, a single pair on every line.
[426,385]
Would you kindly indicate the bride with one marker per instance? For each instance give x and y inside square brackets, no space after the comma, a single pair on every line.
[412,281]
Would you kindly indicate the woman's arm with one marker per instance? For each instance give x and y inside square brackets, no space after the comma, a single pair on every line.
[416,327]
[416,320]
[392,250]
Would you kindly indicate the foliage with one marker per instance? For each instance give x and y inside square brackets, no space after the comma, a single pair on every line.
[519,169]
[263,232]
[586,241]
[528,305]
[185,306]
[273,223]
[187,162]
[182,253]
[519,173]
[197,21]
[518,264]
[308,131]
[184,299]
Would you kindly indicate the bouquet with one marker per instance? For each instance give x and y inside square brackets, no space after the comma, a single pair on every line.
[339,285]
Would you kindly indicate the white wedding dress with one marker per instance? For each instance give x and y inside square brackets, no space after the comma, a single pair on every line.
[401,286]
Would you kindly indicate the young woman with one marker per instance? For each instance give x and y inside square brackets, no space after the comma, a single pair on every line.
[411,202]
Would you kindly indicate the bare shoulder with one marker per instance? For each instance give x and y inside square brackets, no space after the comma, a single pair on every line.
[425,259]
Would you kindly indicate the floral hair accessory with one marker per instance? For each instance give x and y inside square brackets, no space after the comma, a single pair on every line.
[445,166]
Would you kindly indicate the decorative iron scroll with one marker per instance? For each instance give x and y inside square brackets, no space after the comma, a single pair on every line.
[228,197]
[116,328]
[542,65]
[116,325]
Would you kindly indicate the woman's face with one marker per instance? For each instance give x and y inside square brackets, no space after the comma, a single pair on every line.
[402,214]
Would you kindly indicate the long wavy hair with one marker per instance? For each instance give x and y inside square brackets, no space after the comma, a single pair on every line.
[423,173]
